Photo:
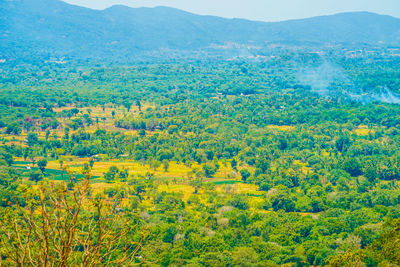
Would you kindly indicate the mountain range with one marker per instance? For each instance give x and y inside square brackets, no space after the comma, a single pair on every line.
[55,28]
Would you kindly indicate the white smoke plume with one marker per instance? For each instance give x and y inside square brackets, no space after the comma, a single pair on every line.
[329,79]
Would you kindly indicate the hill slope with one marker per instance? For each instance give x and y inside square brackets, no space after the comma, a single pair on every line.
[53,27]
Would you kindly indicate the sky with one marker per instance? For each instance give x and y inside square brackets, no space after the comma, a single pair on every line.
[263,10]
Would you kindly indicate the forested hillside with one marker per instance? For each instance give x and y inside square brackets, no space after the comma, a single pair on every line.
[33,29]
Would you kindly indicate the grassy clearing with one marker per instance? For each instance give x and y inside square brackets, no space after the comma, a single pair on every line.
[363,130]
[185,190]
[176,173]
[281,127]
[250,189]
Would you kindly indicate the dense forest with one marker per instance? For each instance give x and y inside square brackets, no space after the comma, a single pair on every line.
[289,160]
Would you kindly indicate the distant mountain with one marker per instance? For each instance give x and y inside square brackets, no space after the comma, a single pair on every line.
[53,27]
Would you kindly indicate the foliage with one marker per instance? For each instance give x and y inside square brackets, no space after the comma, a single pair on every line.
[52,227]
[225,163]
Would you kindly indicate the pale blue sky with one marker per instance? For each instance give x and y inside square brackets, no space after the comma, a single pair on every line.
[265,10]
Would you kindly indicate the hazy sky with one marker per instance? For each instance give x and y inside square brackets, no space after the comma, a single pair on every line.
[266,10]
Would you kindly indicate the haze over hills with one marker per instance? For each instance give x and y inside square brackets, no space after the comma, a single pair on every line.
[55,28]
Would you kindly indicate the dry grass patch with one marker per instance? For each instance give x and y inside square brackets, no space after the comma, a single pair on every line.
[363,132]
[99,188]
[186,190]
[60,109]
[281,127]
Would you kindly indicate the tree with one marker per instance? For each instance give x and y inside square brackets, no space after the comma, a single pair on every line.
[245,256]
[348,259]
[31,139]
[282,201]
[127,104]
[283,144]
[85,167]
[262,164]
[139,105]
[172,129]
[13,128]
[370,173]
[91,162]
[209,170]
[170,235]
[387,247]
[165,165]
[66,133]
[74,111]
[155,164]
[240,202]
[35,176]
[42,163]
[7,176]
[245,174]
[56,228]
[123,174]
[234,164]
[142,132]
[47,135]
[111,174]
[26,153]
[196,183]
[352,166]
[343,143]
[7,157]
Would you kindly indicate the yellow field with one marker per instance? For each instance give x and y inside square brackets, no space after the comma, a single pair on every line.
[363,130]
[175,170]
[134,168]
[186,190]
[62,109]
[13,139]
[281,127]
[100,187]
